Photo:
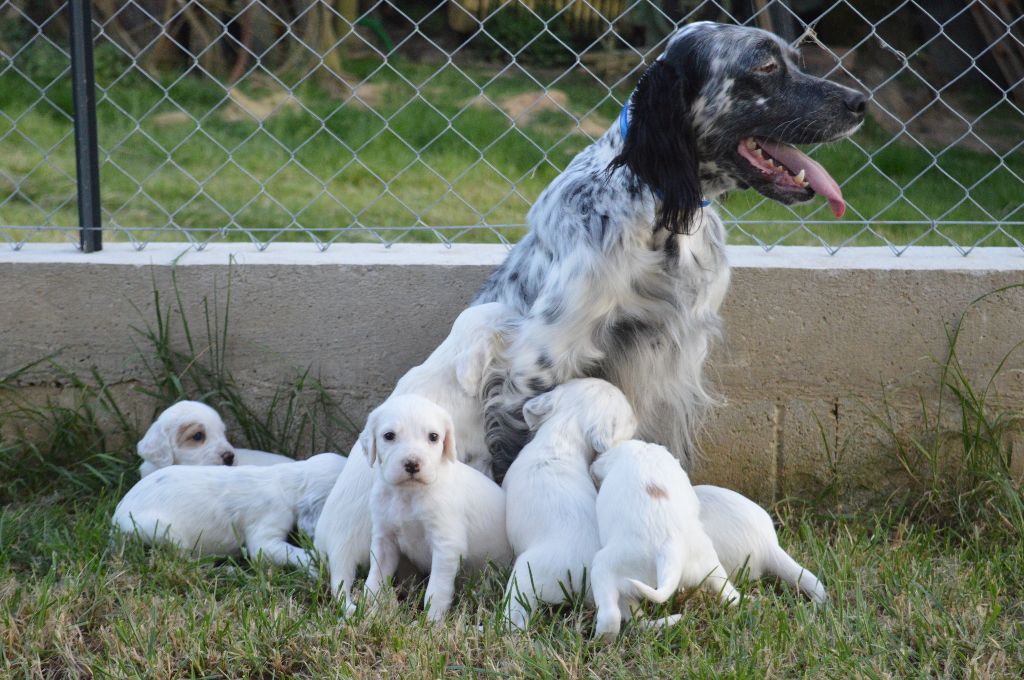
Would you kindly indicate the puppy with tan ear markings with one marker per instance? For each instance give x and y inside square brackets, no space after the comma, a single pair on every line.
[550,513]
[425,504]
[192,433]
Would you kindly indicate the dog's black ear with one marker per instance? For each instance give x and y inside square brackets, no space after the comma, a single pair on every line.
[660,146]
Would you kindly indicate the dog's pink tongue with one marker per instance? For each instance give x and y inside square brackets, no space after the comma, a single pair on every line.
[817,176]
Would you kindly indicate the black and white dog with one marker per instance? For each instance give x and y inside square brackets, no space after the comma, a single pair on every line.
[623,270]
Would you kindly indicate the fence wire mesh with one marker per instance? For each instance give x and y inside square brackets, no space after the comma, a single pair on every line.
[349,120]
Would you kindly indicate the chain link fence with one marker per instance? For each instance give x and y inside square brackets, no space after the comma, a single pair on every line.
[354,120]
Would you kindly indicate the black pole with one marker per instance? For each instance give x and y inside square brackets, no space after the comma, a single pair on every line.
[83,90]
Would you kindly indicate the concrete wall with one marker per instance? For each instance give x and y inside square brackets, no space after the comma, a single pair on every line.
[812,342]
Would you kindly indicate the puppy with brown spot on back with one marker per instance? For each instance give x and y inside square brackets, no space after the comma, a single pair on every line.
[648,518]
[656,492]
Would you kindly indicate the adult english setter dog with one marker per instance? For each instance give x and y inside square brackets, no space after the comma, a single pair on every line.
[623,270]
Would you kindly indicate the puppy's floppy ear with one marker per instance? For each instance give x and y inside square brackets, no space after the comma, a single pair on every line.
[536,410]
[449,451]
[156,446]
[660,146]
[610,430]
[368,439]
[599,469]
[471,364]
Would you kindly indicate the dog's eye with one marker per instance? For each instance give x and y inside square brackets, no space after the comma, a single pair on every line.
[198,437]
[389,436]
[767,68]
[433,436]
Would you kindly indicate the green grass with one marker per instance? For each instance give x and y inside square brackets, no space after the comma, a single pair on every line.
[927,583]
[326,180]
[908,600]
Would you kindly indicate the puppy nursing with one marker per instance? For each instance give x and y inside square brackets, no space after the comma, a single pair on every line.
[648,518]
[221,510]
[192,433]
[744,538]
[425,504]
[550,515]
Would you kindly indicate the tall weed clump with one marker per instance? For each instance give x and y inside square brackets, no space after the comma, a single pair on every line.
[958,462]
[83,438]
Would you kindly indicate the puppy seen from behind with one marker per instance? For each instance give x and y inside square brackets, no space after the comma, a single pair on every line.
[648,518]
[425,504]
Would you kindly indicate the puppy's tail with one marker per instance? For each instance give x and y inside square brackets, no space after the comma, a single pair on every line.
[790,571]
[670,573]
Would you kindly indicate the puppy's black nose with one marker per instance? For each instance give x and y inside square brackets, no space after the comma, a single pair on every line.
[228,457]
[412,466]
[856,102]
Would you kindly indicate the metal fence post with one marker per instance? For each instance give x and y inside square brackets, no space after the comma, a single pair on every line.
[83,89]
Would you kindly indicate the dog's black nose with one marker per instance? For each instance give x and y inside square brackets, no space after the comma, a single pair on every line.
[856,102]
[412,466]
[228,457]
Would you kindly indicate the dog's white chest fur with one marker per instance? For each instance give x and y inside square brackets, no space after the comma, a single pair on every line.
[419,521]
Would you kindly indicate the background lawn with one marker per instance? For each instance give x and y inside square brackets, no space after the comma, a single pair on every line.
[332,167]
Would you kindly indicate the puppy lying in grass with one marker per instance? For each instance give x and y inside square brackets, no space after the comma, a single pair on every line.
[550,513]
[223,510]
[425,505]
[648,518]
[192,433]
[744,538]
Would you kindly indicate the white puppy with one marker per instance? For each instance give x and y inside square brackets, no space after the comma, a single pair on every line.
[550,513]
[425,504]
[221,510]
[450,377]
[192,433]
[744,537]
[648,517]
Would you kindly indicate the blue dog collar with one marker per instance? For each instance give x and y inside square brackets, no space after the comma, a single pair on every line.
[624,127]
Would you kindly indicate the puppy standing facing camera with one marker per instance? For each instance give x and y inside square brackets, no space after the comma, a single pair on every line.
[744,538]
[220,510]
[550,512]
[192,433]
[648,517]
[451,377]
[425,504]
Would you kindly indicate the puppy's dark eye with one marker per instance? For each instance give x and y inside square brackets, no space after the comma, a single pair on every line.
[767,68]
[389,436]
[199,436]
[433,436]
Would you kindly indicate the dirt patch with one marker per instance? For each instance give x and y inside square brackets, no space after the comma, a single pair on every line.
[523,108]
[594,125]
[244,108]
[367,95]
[171,118]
